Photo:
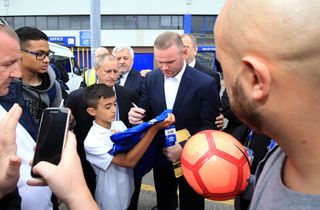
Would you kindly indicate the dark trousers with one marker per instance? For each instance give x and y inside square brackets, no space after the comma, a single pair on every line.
[166,188]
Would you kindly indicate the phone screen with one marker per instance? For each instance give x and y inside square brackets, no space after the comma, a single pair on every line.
[51,136]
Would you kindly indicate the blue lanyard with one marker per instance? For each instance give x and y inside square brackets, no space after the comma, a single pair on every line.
[117,111]
[249,138]
[272,144]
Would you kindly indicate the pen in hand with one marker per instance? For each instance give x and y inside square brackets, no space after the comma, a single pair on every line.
[134,105]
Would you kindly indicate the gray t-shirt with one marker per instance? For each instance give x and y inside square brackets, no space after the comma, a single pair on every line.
[271,194]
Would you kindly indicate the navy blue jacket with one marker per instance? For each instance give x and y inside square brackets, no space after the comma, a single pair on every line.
[15,95]
[196,106]
[134,81]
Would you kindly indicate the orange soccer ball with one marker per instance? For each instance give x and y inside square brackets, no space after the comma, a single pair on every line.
[215,165]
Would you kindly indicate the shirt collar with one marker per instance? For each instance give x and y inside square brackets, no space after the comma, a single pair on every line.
[192,63]
[124,76]
[100,128]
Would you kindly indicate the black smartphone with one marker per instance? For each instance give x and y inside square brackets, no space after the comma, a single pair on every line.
[51,136]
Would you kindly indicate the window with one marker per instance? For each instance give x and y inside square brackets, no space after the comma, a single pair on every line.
[53,23]
[197,24]
[106,22]
[202,28]
[75,22]
[180,22]
[10,21]
[119,22]
[142,22]
[41,22]
[154,22]
[165,21]
[19,22]
[85,23]
[64,22]
[175,21]
[131,22]
[30,21]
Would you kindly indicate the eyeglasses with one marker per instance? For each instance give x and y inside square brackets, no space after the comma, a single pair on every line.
[40,55]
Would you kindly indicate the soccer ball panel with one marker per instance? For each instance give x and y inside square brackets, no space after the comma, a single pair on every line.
[227,144]
[196,148]
[223,179]
[188,174]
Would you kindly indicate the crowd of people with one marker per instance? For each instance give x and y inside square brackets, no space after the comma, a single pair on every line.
[271,69]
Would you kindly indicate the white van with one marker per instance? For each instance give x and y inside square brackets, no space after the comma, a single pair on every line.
[65,58]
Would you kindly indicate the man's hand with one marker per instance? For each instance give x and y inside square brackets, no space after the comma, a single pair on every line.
[173,153]
[219,122]
[9,162]
[166,123]
[144,72]
[66,180]
[136,115]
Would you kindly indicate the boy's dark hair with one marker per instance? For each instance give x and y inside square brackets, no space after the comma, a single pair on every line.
[27,33]
[93,93]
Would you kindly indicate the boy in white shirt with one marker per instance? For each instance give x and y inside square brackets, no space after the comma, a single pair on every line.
[114,173]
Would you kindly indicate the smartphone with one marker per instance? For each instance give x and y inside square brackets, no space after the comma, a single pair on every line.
[51,136]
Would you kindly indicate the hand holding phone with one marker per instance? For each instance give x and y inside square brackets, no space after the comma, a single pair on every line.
[51,136]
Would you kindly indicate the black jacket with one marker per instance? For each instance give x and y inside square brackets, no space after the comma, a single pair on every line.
[11,201]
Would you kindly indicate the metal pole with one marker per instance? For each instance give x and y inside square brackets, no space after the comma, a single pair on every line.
[95,27]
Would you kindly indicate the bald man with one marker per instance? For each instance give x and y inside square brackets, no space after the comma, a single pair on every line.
[90,76]
[270,55]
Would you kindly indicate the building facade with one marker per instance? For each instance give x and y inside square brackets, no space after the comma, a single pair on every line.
[134,22]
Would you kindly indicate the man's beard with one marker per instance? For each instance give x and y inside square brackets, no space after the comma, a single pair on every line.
[243,108]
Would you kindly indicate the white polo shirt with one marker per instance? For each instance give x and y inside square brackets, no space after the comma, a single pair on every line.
[115,184]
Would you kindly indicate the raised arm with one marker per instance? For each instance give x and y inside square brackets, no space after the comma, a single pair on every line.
[131,158]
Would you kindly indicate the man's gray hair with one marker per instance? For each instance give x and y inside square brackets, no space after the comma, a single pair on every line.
[122,47]
[6,29]
[104,57]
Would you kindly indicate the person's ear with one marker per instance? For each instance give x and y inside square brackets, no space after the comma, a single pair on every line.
[96,69]
[91,111]
[195,50]
[260,77]
[185,52]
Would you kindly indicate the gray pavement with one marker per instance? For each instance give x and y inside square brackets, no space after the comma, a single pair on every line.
[147,198]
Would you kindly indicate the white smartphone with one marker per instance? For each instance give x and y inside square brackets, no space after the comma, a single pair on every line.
[51,136]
